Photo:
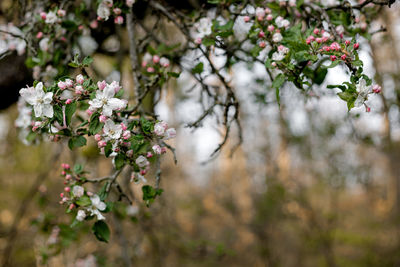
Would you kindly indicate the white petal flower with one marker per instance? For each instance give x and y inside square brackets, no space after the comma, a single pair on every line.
[39,100]
[112,130]
[141,161]
[81,215]
[203,27]
[277,37]
[105,99]
[160,128]
[97,206]
[363,92]
[51,18]
[78,191]
[103,11]
[170,133]
[44,44]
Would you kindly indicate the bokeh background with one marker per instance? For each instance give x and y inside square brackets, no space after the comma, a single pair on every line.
[312,184]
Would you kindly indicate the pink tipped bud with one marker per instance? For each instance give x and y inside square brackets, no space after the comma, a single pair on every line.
[149,154]
[65,166]
[123,126]
[144,64]
[367,109]
[343,57]
[163,150]
[43,15]
[273,64]
[97,137]
[89,112]
[262,44]
[376,88]
[333,58]
[117,11]
[246,18]
[61,13]
[69,83]
[119,20]
[156,59]
[267,10]
[316,31]
[260,18]
[261,34]
[68,101]
[78,90]
[126,135]
[319,40]
[150,69]
[143,172]
[63,173]
[101,144]
[94,24]
[347,42]
[80,27]
[102,118]
[80,79]
[68,177]
[71,206]
[67,189]
[101,85]
[198,40]
[269,17]
[61,195]
[39,35]
[356,46]
[270,28]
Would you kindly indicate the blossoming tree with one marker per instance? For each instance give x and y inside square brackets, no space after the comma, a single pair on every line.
[296,42]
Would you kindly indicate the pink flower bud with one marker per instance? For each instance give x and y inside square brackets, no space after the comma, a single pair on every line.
[94,24]
[101,144]
[367,109]
[150,69]
[63,173]
[156,59]
[144,64]
[198,40]
[319,40]
[356,46]
[65,199]
[260,18]
[119,20]
[261,34]
[123,126]
[97,137]
[61,13]
[39,35]
[262,44]
[68,101]
[89,112]
[102,118]
[143,172]
[69,83]
[126,135]
[65,166]
[333,58]
[71,206]
[101,85]
[117,11]
[347,42]
[270,28]
[79,89]
[67,189]
[68,177]
[270,17]
[61,195]
[273,64]
[316,31]
[343,57]
[267,10]
[149,155]
[80,79]
[43,15]
[376,88]
[246,18]
[129,153]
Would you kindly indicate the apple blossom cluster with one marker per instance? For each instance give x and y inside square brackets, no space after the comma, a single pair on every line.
[73,108]
[155,65]
[107,8]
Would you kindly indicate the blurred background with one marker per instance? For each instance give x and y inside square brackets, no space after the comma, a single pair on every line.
[312,184]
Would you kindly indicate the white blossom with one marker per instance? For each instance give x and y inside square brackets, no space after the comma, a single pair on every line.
[51,18]
[277,37]
[81,215]
[103,11]
[96,207]
[203,27]
[170,133]
[39,100]
[105,100]
[44,44]
[78,191]
[281,22]
[112,130]
[142,162]
[363,91]
[160,128]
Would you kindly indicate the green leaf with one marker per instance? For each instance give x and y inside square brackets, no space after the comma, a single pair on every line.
[173,74]
[58,114]
[333,64]
[69,111]
[73,64]
[108,149]
[119,161]
[87,61]
[78,168]
[319,75]
[103,191]
[278,81]
[198,68]
[76,141]
[101,231]
[208,41]
[95,125]
[150,194]
[84,201]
